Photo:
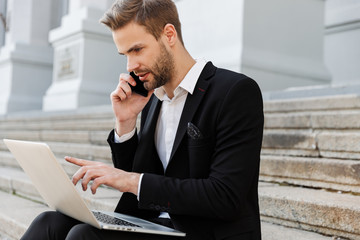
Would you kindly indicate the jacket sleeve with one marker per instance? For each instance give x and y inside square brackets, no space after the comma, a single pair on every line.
[123,153]
[234,164]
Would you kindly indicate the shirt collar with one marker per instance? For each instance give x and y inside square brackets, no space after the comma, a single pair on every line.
[187,84]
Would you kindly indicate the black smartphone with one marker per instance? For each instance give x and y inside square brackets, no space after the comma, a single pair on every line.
[139,88]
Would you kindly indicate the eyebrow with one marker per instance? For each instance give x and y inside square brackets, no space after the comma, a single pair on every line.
[132,49]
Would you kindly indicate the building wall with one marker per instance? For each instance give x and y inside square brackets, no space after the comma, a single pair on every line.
[342,41]
[280,44]
[277,42]
[213,31]
[2,23]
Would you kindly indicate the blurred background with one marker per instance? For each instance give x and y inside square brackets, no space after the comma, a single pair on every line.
[55,55]
[58,65]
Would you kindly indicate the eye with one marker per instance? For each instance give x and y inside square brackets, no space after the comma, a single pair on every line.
[136,50]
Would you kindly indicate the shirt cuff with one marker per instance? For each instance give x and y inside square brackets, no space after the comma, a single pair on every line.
[139,185]
[124,137]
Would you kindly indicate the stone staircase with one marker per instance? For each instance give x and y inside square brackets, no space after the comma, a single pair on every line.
[310,167]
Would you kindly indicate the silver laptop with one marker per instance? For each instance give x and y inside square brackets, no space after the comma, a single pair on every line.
[58,191]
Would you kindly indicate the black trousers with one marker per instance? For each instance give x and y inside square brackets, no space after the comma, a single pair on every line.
[56,226]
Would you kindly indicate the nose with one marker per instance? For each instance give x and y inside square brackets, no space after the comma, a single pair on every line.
[132,64]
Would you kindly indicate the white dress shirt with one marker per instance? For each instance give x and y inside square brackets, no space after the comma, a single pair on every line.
[169,116]
[171,110]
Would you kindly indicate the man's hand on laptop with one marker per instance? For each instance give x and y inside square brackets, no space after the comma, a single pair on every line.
[102,173]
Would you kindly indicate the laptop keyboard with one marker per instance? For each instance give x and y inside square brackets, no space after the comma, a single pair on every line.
[104,218]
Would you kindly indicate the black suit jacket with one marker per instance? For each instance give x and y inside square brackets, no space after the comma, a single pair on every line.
[210,185]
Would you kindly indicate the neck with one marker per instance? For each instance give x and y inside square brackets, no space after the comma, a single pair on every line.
[183,63]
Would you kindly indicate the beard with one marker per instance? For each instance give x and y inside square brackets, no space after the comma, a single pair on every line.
[162,70]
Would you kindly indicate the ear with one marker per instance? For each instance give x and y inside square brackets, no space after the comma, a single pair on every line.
[170,34]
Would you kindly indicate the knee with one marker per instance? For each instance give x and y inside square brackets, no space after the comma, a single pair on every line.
[46,218]
[41,227]
[80,231]
[54,223]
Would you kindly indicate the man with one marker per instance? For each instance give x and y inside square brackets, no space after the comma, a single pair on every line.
[194,165]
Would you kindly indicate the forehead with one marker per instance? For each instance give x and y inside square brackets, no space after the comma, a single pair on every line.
[130,35]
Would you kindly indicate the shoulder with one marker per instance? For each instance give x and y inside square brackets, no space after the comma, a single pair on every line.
[224,81]
[230,78]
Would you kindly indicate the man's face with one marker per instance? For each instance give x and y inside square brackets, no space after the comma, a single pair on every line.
[146,56]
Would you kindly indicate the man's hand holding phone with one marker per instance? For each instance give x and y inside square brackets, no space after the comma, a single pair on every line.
[139,87]
[127,104]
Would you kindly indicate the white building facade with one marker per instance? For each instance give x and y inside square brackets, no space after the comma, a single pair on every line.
[55,55]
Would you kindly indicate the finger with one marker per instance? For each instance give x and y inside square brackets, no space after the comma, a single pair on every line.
[125,88]
[89,175]
[122,91]
[128,78]
[78,175]
[86,179]
[118,95]
[78,161]
[125,81]
[96,183]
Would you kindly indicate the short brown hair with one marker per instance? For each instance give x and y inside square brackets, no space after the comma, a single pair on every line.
[152,14]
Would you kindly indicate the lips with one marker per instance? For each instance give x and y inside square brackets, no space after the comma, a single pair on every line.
[143,77]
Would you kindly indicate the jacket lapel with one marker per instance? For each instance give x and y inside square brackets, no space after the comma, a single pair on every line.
[192,103]
[146,141]
[151,119]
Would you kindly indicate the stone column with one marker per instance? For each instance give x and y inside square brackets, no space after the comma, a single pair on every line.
[213,29]
[26,57]
[342,41]
[86,62]
[2,22]
[277,42]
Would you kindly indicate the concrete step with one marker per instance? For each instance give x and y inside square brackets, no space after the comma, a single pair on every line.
[57,124]
[334,174]
[86,151]
[342,144]
[90,112]
[17,182]
[326,173]
[330,144]
[307,142]
[290,142]
[333,134]
[340,119]
[7,160]
[313,104]
[329,213]
[99,118]
[71,136]
[294,142]
[17,213]
[293,206]
[90,118]
[276,232]
[79,150]
[315,120]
